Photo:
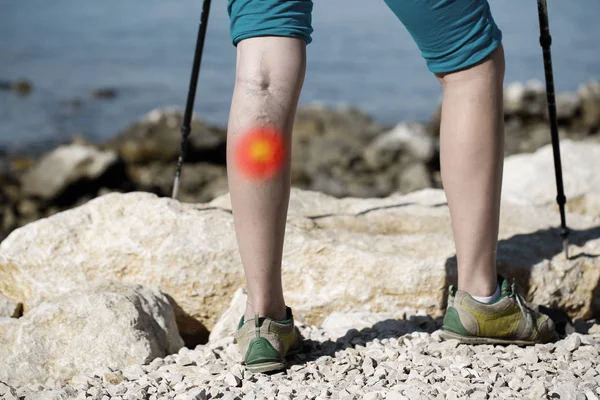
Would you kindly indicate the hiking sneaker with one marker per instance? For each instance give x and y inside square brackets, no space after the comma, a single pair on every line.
[509,320]
[264,343]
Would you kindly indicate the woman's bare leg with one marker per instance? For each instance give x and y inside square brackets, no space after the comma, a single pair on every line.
[269,77]
[472,153]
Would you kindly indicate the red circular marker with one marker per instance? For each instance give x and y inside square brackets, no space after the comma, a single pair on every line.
[260,153]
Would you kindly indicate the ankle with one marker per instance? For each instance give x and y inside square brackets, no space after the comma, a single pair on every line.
[489,299]
[274,311]
[482,287]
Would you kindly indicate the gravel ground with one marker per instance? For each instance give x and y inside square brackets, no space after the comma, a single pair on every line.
[392,360]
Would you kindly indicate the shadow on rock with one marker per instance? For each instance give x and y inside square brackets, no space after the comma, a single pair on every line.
[192,331]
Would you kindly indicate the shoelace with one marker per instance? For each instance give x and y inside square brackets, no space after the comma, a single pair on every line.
[526,311]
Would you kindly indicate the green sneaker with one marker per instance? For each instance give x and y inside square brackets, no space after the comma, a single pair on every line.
[509,320]
[264,343]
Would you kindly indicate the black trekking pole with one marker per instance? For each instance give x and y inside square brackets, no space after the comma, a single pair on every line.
[189,107]
[546,42]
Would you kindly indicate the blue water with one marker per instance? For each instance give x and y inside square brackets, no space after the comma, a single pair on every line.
[361,56]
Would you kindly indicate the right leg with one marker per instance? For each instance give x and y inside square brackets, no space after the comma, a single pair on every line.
[270,72]
[271,37]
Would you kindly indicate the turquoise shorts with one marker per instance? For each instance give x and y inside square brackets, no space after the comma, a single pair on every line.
[451,34]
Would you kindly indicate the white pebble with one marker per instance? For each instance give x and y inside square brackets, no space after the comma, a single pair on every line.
[572,342]
[232,380]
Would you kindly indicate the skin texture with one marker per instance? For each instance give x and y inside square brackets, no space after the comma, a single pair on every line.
[471,156]
[269,77]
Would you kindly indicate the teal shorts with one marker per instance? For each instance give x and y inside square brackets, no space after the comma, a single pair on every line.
[451,34]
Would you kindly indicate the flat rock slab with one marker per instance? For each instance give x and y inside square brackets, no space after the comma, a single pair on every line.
[376,255]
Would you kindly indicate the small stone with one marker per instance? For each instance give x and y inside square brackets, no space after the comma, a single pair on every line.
[490,361]
[572,342]
[427,371]
[173,378]
[81,379]
[515,384]
[566,390]
[230,396]
[238,371]
[285,389]
[193,394]
[395,396]
[373,396]
[530,357]
[478,395]
[96,396]
[114,378]
[372,381]
[185,361]
[232,380]
[117,390]
[589,395]
[444,346]
[368,366]
[145,382]
[133,372]
[466,373]
[155,364]
[135,394]
[163,388]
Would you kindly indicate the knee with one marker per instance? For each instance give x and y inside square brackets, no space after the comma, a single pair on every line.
[254,79]
[256,60]
[270,65]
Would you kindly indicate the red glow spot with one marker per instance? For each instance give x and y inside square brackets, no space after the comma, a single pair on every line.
[260,153]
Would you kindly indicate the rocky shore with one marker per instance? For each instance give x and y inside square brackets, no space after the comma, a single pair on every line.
[134,296]
[109,290]
[338,152]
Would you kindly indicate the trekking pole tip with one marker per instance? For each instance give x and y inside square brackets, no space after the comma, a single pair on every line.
[564,234]
[175,188]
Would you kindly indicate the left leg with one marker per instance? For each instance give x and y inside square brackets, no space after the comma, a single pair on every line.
[462,46]
[457,39]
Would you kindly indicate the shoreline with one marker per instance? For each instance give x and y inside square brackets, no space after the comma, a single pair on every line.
[335,151]
[23,87]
